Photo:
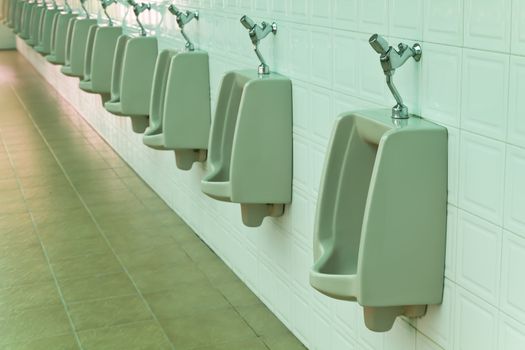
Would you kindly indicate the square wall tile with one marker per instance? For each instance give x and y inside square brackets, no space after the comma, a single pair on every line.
[321,50]
[452,228]
[373,16]
[479,256]
[443,22]
[345,63]
[476,323]
[511,334]
[321,13]
[516,127]
[441,89]
[345,13]
[481,176]
[453,164]
[400,11]
[485,93]
[512,282]
[487,24]
[424,343]
[515,191]
[438,323]
[517,45]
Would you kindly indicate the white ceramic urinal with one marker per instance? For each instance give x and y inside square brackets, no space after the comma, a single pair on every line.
[250,150]
[37,20]
[58,47]
[98,68]
[180,106]
[132,78]
[47,30]
[74,65]
[379,236]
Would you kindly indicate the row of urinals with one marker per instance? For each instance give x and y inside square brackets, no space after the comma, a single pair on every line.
[381,215]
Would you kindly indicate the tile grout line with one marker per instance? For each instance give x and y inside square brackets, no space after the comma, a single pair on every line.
[99,228]
[55,280]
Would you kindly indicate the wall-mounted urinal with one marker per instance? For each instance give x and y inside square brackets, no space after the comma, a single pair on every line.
[59,40]
[47,30]
[180,106]
[16,13]
[17,20]
[379,236]
[250,149]
[131,80]
[27,12]
[76,48]
[35,26]
[99,61]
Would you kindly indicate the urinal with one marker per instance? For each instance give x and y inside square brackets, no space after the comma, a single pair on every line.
[18,16]
[250,149]
[27,12]
[99,61]
[37,17]
[47,30]
[11,13]
[59,42]
[379,235]
[180,106]
[131,80]
[75,54]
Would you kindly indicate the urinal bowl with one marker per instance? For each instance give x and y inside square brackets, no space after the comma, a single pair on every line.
[250,150]
[379,235]
[98,68]
[74,65]
[180,106]
[48,26]
[132,78]
[36,21]
[26,21]
[58,47]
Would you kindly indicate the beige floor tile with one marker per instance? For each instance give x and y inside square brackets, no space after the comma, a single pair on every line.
[286,341]
[96,287]
[151,279]
[61,342]
[247,344]
[108,312]
[214,327]
[34,324]
[186,301]
[262,320]
[28,296]
[138,336]
[86,265]
[66,249]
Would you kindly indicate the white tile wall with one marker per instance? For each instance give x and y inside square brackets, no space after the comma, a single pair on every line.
[470,79]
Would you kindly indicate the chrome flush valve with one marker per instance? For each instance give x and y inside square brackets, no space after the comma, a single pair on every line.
[83,5]
[137,10]
[105,4]
[257,33]
[391,59]
[183,18]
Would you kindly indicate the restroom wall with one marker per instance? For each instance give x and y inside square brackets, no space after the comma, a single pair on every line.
[471,79]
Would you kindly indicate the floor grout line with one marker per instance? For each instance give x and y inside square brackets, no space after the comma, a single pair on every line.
[99,228]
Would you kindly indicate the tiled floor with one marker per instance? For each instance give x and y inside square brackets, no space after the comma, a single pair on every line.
[90,257]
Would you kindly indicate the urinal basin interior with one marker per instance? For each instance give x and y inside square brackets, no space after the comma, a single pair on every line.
[342,203]
[58,50]
[98,78]
[220,190]
[85,81]
[158,95]
[227,105]
[79,42]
